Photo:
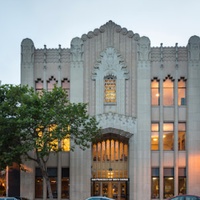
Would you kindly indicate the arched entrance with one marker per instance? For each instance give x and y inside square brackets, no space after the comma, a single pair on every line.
[110,167]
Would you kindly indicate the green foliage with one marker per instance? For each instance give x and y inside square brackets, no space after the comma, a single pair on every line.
[31,121]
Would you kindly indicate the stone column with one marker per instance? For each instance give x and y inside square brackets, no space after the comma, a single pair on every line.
[27,62]
[142,138]
[193,116]
[80,161]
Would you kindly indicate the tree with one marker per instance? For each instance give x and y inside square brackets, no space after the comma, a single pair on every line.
[38,122]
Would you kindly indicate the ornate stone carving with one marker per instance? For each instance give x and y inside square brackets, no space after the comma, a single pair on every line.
[124,31]
[76,49]
[144,49]
[117,121]
[27,51]
[110,25]
[110,63]
[194,48]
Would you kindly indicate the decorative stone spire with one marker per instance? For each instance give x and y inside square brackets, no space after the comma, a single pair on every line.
[76,50]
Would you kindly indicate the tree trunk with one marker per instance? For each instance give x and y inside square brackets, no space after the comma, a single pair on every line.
[48,185]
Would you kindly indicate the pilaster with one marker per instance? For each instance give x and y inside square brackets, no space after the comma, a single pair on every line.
[193,114]
[142,152]
[27,62]
[80,161]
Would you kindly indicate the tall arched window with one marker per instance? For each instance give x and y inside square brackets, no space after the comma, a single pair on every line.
[66,86]
[168,92]
[155,92]
[110,157]
[110,89]
[51,83]
[181,92]
[39,85]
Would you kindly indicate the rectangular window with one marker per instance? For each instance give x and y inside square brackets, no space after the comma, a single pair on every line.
[109,90]
[182,181]
[168,183]
[155,183]
[154,136]
[168,92]
[168,136]
[155,93]
[38,184]
[51,83]
[65,183]
[39,86]
[66,86]
[181,93]
[52,172]
[181,136]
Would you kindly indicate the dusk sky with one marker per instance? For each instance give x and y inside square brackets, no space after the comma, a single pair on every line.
[54,22]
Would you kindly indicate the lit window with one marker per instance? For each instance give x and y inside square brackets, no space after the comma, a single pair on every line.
[168,136]
[155,183]
[155,93]
[168,92]
[51,83]
[66,144]
[181,136]
[154,136]
[182,181]
[65,183]
[112,154]
[110,89]
[39,86]
[38,183]
[66,86]
[52,172]
[168,182]
[181,92]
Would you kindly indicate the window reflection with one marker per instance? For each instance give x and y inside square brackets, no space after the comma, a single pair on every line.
[181,92]
[182,181]
[168,182]
[181,136]
[39,86]
[154,136]
[51,83]
[66,86]
[65,183]
[168,136]
[155,183]
[155,93]
[168,92]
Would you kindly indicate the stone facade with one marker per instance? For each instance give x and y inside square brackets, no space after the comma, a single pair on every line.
[118,52]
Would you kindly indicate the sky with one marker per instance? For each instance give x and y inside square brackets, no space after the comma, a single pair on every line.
[54,22]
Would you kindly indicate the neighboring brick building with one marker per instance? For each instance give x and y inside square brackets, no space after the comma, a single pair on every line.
[147,100]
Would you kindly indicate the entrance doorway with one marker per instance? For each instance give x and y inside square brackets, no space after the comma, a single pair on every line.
[110,188]
[110,167]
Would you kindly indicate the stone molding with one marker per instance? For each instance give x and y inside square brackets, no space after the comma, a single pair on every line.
[76,50]
[169,54]
[194,48]
[108,25]
[52,55]
[110,62]
[27,52]
[117,121]
[144,49]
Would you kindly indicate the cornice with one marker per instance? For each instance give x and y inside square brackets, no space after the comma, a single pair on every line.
[110,25]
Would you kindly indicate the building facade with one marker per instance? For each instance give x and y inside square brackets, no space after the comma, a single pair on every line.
[147,100]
